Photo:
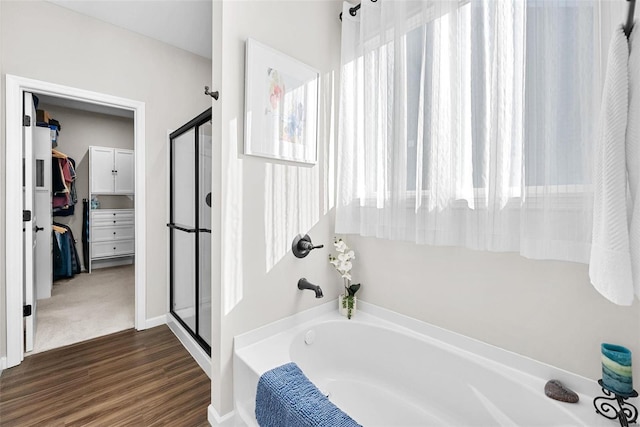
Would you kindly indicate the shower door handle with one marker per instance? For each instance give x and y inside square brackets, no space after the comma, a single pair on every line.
[177,227]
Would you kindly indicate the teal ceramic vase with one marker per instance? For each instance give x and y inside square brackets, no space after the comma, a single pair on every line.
[616,369]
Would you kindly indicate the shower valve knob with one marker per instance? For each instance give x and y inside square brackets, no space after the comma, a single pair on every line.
[302,245]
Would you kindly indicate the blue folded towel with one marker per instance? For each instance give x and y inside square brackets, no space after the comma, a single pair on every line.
[286,398]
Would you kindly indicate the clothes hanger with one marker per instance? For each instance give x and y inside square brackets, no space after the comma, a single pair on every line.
[58,229]
[57,154]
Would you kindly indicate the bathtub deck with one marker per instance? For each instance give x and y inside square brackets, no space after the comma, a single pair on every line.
[385,369]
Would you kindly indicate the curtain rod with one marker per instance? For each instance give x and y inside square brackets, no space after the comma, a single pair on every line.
[353,11]
[627,27]
[630,12]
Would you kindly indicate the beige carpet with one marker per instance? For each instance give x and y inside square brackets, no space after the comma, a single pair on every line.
[86,306]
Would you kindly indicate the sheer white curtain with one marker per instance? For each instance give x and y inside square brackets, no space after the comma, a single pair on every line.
[470,124]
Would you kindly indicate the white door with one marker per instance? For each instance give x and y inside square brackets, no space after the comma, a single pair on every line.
[101,171]
[43,260]
[29,222]
[124,167]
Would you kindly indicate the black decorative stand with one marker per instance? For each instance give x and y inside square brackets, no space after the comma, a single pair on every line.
[626,414]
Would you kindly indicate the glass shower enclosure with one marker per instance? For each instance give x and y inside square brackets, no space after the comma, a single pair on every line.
[190,228]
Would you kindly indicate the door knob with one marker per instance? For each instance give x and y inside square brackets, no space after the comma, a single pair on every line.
[38,228]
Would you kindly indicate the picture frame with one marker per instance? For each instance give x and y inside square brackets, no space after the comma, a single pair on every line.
[281,106]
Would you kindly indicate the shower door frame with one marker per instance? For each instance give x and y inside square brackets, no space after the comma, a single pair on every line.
[195,123]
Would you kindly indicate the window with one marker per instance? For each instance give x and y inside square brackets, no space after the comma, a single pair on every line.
[471,127]
[556,128]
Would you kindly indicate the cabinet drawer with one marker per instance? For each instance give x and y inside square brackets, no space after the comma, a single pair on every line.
[112,232]
[110,249]
[111,213]
[104,217]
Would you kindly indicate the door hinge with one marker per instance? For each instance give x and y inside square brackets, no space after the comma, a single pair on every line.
[26,216]
[26,310]
[26,120]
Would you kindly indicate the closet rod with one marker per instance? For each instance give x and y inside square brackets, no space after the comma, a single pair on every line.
[630,12]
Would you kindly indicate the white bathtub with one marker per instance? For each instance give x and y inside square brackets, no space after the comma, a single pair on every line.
[385,369]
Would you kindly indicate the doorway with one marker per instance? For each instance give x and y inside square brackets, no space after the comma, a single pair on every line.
[16,311]
[81,303]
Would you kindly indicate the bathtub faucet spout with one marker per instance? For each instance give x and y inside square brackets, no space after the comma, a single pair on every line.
[305,284]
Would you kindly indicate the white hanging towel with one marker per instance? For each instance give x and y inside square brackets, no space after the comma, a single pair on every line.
[633,154]
[610,262]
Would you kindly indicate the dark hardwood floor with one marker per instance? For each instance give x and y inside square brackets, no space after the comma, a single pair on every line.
[130,378]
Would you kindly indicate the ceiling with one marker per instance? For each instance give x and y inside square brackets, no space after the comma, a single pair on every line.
[185,24]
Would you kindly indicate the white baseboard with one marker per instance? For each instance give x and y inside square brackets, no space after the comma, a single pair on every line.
[3,364]
[111,262]
[217,421]
[155,321]
[194,349]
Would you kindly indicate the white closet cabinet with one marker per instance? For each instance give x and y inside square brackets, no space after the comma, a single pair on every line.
[111,231]
[111,170]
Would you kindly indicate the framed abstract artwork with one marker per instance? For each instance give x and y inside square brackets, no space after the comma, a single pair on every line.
[281,106]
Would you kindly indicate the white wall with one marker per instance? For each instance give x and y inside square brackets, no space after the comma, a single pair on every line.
[43,41]
[546,310]
[80,129]
[266,203]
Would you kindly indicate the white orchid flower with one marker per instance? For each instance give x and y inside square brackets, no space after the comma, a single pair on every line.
[345,266]
[341,246]
[342,262]
[343,257]
[347,256]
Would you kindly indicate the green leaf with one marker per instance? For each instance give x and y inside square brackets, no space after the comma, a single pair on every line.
[353,289]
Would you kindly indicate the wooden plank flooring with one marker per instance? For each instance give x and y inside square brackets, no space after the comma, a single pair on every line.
[130,378]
